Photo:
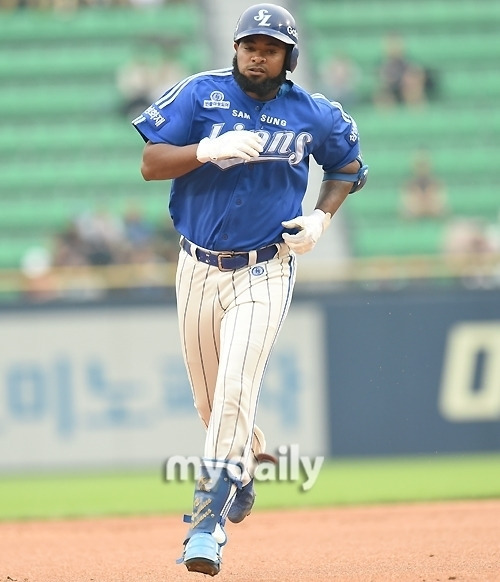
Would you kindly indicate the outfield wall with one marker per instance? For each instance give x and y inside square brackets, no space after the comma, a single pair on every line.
[414,373]
[352,375]
[106,386]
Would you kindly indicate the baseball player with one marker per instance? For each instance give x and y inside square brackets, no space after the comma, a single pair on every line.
[236,144]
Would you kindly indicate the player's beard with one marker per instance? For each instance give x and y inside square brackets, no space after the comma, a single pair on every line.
[260,88]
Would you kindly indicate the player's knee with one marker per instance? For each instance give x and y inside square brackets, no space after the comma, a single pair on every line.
[203,408]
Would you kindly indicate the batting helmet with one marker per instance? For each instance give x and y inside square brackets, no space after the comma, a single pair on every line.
[270,20]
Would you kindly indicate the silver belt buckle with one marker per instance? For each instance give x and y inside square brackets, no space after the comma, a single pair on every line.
[222,256]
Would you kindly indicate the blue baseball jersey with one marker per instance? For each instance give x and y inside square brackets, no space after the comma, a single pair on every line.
[233,204]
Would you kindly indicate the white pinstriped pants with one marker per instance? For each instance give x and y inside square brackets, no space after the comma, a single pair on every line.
[229,322]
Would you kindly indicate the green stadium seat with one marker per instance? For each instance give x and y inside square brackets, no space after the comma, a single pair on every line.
[438,124]
[31,27]
[65,101]
[21,215]
[460,127]
[109,172]
[447,52]
[453,162]
[471,85]
[54,60]
[75,138]
[430,15]
[394,238]
[475,201]
[372,203]
[74,62]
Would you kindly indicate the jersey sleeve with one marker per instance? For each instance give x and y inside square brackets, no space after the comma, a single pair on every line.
[341,145]
[165,121]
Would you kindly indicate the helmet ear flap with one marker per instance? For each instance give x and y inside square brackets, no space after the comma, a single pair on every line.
[292,59]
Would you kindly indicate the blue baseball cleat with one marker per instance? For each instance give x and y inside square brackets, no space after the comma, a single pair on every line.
[242,504]
[206,536]
[203,554]
[245,497]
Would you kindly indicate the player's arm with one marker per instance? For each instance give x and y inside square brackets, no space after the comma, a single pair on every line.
[335,188]
[333,192]
[162,161]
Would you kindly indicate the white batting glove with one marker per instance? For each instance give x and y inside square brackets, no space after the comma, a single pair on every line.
[232,144]
[311,228]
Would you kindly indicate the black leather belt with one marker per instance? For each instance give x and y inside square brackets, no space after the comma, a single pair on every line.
[226,260]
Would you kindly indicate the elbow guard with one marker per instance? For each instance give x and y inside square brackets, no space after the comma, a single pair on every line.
[358,180]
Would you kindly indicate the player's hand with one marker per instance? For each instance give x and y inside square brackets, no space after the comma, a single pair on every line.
[310,227]
[232,144]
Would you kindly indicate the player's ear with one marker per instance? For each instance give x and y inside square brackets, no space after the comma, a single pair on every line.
[236,46]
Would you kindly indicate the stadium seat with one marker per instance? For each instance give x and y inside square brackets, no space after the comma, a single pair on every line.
[398,238]
[459,127]
[431,15]
[71,150]
[64,147]
[103,24]
[439,123]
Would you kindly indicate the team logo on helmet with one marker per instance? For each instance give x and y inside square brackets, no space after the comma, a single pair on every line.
[275,20]
[263,18]
[292,32]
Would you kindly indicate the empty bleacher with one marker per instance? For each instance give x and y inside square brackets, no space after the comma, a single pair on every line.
[65,147]
[460,126]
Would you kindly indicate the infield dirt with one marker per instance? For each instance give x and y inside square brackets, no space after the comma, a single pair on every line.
[425,542]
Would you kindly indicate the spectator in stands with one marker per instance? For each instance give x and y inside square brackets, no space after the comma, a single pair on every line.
[423,195]
[138,231]
[167,241]
[467,235]
[401,81]
[69,250]
[99,238]
[139,237]
[340,79]
[469,241]
[150,72]
[78,282]
[146,3]
[39,284]
[102,235]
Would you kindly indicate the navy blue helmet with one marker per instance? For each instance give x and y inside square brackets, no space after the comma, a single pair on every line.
[270,20]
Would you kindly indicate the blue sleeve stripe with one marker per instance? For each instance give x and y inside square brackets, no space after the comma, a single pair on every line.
[139,119]
[176,89]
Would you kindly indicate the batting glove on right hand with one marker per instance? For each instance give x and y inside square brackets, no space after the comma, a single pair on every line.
[310,227]
[232,144]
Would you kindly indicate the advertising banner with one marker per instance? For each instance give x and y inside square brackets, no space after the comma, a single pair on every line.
[107,387]
[414,372]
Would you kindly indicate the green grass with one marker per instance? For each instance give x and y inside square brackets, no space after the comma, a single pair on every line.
[341,482]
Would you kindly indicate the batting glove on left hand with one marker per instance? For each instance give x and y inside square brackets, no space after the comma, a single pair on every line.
[311,228]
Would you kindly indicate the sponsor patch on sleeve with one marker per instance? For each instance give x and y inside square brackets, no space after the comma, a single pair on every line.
[352,136]
[155,115]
